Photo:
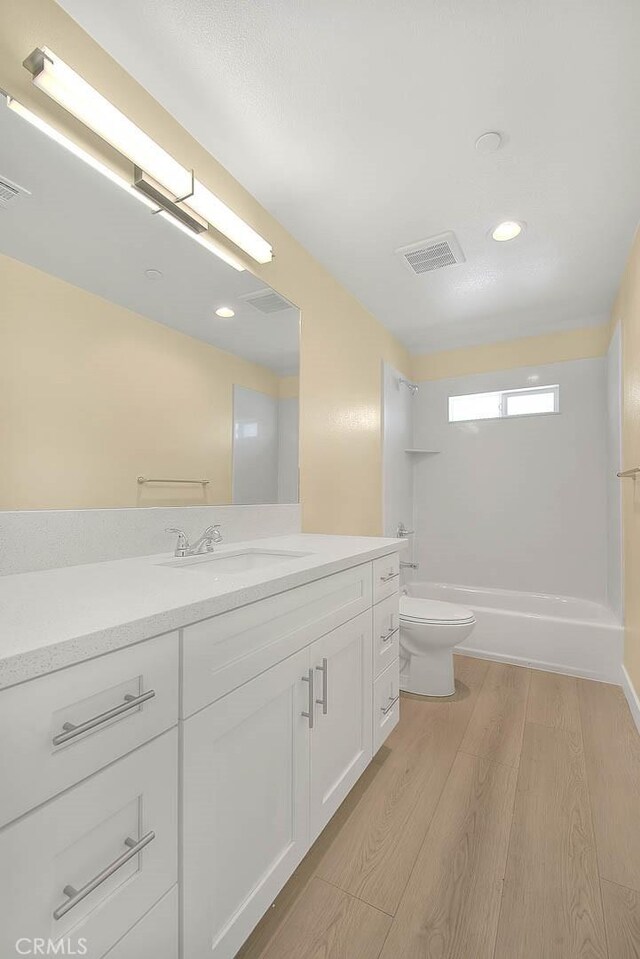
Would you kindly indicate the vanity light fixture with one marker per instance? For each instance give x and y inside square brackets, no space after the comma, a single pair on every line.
[55,78]
[508,230]
[225,312]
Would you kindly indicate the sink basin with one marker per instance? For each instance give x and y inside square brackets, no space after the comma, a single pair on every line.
[240,561]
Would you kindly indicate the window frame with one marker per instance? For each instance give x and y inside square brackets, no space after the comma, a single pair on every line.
[553,388]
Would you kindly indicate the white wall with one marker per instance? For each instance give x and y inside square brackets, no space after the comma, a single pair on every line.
[614,461]
[288,444]
[397,465]
[516,504]
[255,446]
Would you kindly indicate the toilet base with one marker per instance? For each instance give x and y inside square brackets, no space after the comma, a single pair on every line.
[430,675]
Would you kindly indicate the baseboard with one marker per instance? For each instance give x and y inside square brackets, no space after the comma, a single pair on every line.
[632,697]
[547,667]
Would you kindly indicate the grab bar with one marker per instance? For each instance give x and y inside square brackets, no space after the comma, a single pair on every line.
[629,474]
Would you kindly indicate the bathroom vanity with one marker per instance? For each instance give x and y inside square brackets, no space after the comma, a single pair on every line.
[175,733]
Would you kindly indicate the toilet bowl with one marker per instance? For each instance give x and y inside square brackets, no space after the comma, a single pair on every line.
[429,630]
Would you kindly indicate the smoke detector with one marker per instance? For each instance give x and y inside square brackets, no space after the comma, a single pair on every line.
[431,254]
[10,192]
[266,301]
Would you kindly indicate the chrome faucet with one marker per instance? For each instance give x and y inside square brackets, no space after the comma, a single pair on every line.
[204,543]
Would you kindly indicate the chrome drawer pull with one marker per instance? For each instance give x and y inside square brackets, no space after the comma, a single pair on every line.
[130,702]
[77,895]
[387,636]
[387,709]
[309,679]
[324,701]
[389,577]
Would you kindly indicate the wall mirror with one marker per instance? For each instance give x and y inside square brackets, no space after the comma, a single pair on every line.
[120,384]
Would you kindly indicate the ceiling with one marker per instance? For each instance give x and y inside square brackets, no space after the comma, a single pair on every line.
[354,123]
[77,225]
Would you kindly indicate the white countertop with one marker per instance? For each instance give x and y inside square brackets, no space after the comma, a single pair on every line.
[54,618]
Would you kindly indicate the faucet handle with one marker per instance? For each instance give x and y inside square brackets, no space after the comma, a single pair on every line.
[214,533]
[183,543]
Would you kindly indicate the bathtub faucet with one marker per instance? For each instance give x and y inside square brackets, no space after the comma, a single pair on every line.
[402,532]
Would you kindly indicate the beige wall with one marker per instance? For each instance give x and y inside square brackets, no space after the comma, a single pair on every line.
[288,387]
[342,344]
[578,344]
[627,312]
[94,395]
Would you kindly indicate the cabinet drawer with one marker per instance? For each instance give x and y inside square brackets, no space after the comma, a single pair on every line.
[222,653]
[386,576]
[155,936]
[74,870]
[39,758]
[386,633]
[386,703]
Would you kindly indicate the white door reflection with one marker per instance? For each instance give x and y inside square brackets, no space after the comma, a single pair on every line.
[265,447]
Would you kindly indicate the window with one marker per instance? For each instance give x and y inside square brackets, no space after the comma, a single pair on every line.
[504,403]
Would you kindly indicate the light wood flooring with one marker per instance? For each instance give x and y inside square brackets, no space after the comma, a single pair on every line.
[503,823]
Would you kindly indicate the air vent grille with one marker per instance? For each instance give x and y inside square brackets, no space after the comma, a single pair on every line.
[431,254]
[9,192]
[267,301]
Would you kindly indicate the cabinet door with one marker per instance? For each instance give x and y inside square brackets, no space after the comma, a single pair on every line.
[341,736]
[246,806]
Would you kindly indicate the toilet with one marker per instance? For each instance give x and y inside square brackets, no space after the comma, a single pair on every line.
[429,630]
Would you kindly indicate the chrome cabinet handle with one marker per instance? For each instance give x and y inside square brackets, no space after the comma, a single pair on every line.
[309,679]
[387,579]
[385,637]
[130,702]
[324,701]
[387,709]
[77,895]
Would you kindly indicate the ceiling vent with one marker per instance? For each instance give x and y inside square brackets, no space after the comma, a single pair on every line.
[10,192]
[266,301]
[431,254]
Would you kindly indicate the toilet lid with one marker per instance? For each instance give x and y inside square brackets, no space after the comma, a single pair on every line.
[433,611]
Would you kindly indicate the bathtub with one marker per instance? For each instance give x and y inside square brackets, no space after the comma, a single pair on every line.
[558,633]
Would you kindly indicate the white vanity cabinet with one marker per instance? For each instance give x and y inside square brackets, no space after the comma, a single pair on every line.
[157,798]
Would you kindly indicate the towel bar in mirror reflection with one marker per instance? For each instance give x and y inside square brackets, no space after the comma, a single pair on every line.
[199,482]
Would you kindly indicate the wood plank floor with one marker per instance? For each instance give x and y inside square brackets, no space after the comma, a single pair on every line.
[502,823]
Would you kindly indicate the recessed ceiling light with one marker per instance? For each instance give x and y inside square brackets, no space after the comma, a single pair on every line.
[508,230]
[225,311]
[153,274]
